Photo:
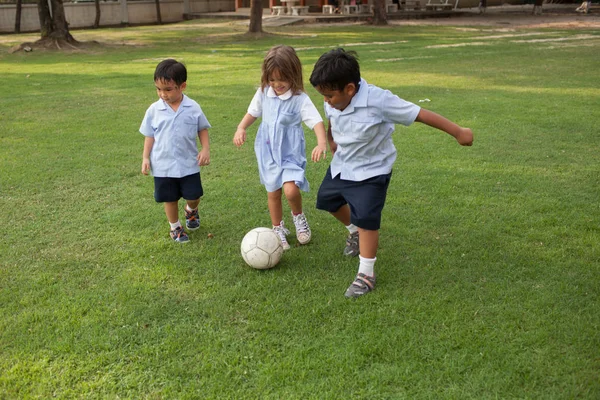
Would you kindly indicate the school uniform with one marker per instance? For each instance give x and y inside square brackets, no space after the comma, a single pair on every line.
[361,167]
[280,145]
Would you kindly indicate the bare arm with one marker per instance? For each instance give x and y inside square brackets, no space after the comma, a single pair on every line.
[148,143]
[332,143]
[240,134]
[204,154]
[320,151]
[464,136]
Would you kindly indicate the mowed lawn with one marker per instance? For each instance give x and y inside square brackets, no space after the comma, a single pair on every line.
[488,267]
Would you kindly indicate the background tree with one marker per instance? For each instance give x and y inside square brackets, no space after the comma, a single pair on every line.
[18,16]
[54,29]
[98,12]
[379,13]
[158,16]
[256,13]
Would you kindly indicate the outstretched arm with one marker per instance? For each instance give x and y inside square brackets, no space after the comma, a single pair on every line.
[240,134]
[464,136]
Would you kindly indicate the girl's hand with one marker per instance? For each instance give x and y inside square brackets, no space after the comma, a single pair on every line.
[203,157]
[319,152]
[240,137]
[465,137]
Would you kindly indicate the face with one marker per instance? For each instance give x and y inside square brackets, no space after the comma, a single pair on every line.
[338,99]
[279,86]
[169,91]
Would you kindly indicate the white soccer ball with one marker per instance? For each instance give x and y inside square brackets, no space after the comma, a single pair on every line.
[262,248]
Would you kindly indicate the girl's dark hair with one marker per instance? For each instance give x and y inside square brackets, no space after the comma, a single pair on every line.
[171,70]
[335,69]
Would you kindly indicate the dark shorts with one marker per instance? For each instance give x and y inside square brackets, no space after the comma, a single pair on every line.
[365,198]
[167,190]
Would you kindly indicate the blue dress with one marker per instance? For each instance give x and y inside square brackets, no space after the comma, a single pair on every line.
[280,145]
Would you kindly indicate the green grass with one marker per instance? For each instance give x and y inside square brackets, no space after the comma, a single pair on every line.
[488,268]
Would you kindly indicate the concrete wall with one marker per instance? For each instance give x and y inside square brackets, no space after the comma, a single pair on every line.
[82,15]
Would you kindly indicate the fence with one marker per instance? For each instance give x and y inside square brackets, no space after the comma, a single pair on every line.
[83,15]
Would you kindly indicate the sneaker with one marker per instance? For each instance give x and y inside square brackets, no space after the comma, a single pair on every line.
[302,229]
[363,284]
[282,232]
[192,219]
[179,235]
[352,249]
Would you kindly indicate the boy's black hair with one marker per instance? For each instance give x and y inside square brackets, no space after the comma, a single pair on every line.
[171,70]
[335,69]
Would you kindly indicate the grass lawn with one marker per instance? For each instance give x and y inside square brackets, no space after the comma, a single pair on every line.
[489,261]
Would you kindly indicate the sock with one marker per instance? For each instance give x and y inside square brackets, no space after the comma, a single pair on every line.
[175,225]
[352,228]
[189,209]
[366,266]
[296,214]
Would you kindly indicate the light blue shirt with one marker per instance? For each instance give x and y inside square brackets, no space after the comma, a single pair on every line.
[175,150]
[363,132]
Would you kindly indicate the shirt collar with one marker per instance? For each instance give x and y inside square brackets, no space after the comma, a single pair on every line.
[184,103]
[285,96]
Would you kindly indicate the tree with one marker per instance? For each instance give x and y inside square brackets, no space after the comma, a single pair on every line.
[158,16]
[379,13]
[54,28]
[97,20]
[18,16]
[256,11]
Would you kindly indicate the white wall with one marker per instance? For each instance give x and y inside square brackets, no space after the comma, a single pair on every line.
[82,15]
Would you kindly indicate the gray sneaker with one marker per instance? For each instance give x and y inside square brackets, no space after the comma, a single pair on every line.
[179,235]
[352,249]
[363,284]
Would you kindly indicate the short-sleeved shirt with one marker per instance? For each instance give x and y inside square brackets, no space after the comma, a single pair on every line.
[363,132]
[175,150]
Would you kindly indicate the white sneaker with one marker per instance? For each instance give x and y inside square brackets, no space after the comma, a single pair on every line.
[282,232]
[302,229]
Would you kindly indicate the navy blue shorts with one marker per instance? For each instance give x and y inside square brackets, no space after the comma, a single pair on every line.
[365,198]
[167,190]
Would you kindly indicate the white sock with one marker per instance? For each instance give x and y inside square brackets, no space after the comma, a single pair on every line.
[366,266]
[352,228]
[187,208]
[175,225]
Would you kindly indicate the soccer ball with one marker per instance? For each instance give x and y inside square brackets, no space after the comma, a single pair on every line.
[262,248]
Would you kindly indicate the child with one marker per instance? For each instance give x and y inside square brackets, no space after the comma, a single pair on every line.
[279,145]
[361,122]
[170,127]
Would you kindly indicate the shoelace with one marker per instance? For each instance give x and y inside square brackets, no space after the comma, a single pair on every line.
[301,223]
[281,231]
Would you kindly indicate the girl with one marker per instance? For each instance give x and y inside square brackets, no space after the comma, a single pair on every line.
[279,146]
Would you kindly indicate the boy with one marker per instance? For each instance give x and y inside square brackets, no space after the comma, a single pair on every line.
[170,127]
[361,122]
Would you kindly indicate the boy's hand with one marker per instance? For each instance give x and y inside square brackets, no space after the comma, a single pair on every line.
[145,166]
[240,137]
[465,137]
[203,157]
[319,152]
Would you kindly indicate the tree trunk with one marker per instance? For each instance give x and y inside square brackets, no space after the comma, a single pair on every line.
[18,16]
[45,17]
[255,17]
[158,17]
[98,12]
[379,13]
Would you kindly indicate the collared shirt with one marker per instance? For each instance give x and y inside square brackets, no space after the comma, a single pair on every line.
[175,150]
[280,145]
[363,132]
[308,112]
